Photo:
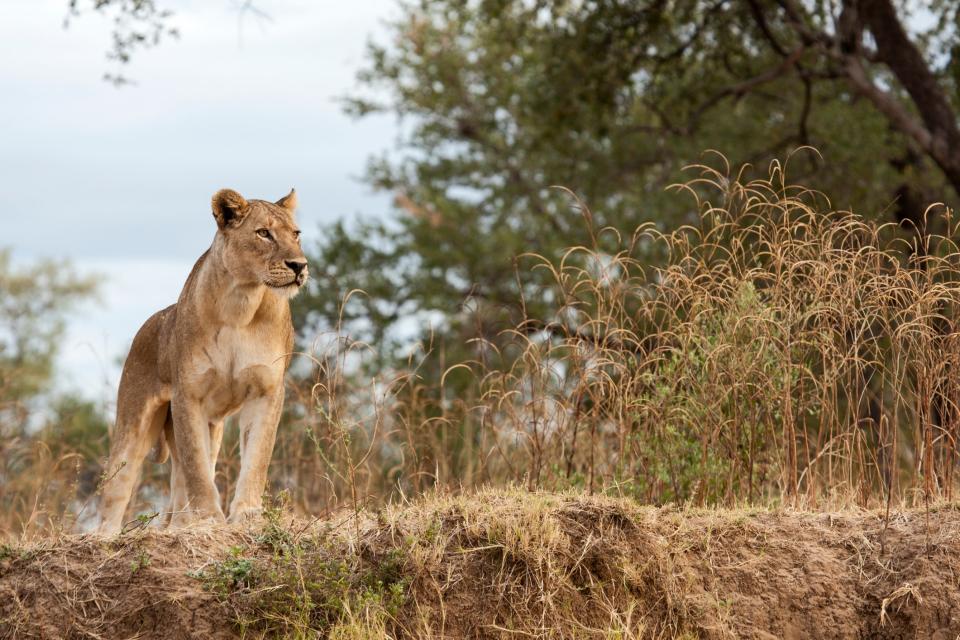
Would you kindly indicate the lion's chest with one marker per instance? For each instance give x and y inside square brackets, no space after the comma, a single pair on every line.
[236,366]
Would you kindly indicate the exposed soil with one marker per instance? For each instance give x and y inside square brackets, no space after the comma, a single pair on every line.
[509,564]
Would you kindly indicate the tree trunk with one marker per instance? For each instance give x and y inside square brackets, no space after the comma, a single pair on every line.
[939,135]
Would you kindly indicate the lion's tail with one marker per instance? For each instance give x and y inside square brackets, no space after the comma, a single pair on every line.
[162,449]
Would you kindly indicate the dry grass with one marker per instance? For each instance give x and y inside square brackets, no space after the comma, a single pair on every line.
[783,353]
[498,564]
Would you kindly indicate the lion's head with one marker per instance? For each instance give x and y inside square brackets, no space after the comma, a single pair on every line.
[259,241]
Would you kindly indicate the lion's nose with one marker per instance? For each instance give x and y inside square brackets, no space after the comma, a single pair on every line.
[296,265]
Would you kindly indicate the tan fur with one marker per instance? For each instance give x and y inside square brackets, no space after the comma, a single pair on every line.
[221,350]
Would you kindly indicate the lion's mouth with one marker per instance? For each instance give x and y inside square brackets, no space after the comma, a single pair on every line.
[287,281]
[297,282]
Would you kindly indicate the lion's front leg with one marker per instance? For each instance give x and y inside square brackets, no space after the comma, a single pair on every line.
[178,490]
[258,431]
[191,433]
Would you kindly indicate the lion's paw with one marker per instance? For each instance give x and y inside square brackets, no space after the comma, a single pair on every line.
[244,514]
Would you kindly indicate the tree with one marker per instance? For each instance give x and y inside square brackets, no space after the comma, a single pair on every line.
[503,98]
[137,24]
[45,456]
[611,98]
[34,302]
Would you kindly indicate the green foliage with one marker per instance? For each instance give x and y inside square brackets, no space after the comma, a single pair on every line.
[48,459]
[7,551]
[77,425]
[304,585]
[609,98]
[702,387]
[34,302]
[274,535]
[140,561]
[231,573]
[77,428]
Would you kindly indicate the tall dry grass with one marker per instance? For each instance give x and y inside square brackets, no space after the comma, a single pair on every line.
[781,352]
[784,351]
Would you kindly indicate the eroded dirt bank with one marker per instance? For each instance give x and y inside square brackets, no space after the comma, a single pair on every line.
[500,565]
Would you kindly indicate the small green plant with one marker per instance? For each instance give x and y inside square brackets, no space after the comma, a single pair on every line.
[140,561]
[274,535]
[222,578]
[142,521]
[7,552]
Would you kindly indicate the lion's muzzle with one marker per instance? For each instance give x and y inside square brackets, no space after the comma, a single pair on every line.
[300,271]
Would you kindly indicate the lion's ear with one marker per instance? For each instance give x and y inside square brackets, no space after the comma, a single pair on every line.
[229,208]
[289,201]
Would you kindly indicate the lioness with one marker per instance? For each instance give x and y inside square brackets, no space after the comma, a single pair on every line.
[222,349]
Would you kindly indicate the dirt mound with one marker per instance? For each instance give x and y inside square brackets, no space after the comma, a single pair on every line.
[500,564]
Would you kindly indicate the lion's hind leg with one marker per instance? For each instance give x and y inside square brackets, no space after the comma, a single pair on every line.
[140,418]
[178,494]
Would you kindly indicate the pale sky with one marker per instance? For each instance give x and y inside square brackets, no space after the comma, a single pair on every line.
[119,180]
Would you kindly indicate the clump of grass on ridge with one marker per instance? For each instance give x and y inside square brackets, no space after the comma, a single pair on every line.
[305,584]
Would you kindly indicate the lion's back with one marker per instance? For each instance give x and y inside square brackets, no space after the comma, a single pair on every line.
[150,351]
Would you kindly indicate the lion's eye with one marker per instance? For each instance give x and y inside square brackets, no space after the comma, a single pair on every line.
[263,233]
[296,234]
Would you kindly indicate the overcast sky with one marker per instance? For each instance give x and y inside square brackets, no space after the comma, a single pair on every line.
[119,180]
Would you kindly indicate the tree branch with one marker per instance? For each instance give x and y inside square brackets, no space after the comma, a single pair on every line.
[746,86]
[895,49]
[887,104]
[761,21]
